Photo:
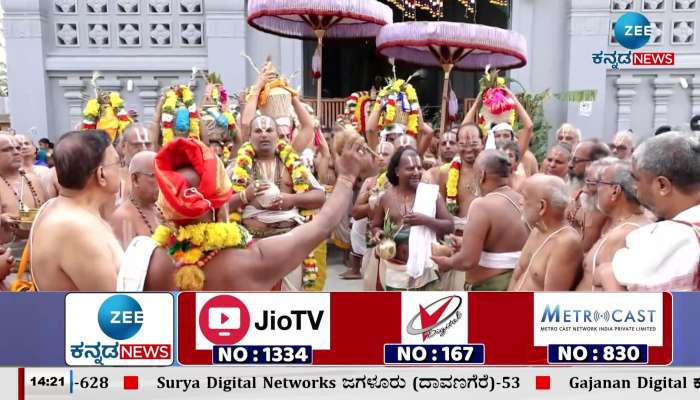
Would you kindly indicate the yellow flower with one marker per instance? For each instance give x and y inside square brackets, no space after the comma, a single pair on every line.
[500,81]
[168,135]
[240,173]
[244,160]
[381,182]
[390,114]
[235,237]
[411,93]
[186,95]
[199,236]
[396,86]
[452,182]
[170,102]
[115,100]
[189,277]
[162,235]
[191,256]
[194,128]
[216,236]
[92,109]
[230,119]
[412,126]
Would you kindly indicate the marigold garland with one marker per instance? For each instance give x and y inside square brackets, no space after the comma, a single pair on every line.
[193,246]
[181,96]
[403,94]
[452,186]
[310,271]
[113,118]
[355,109]
[381,182]
[243,169]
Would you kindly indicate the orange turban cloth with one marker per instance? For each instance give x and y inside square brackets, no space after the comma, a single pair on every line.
[179,202]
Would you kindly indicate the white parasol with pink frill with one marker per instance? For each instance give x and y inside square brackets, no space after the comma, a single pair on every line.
[452,45]
[319,19]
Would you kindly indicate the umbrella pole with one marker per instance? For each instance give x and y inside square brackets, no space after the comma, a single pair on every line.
[445,86]
[319,34]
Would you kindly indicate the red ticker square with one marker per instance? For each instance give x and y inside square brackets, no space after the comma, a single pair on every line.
[542,382]
[131,382]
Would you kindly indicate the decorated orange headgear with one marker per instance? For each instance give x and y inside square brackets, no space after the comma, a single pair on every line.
[179,202]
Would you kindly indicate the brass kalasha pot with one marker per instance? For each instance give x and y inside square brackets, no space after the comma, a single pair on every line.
[26,217]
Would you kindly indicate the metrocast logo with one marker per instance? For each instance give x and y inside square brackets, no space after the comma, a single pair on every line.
[263,319]
[433,318]
[119,329]
[598,318]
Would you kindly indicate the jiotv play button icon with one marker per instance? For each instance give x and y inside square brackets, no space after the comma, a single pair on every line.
[224,320]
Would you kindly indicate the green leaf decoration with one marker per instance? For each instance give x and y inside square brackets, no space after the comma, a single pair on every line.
[577,96]
[174,248]
[389,227]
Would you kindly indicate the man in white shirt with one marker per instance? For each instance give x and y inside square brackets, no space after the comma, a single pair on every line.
[664,255]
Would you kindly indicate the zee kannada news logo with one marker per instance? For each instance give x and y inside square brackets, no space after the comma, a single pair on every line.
[436,318]
[633,31]
[121,317]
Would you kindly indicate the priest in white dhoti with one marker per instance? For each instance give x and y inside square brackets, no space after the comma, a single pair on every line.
[275,193]
[410,217]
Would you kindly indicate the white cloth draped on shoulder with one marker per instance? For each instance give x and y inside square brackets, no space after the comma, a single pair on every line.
[421,237]
[660,256]
[134,268]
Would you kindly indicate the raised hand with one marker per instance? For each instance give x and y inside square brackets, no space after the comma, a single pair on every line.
[355,159]
[264,77]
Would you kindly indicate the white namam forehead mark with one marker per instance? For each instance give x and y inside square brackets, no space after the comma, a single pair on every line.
[384,146]
[142,135]
[413,160]
[447,136]
[263,123]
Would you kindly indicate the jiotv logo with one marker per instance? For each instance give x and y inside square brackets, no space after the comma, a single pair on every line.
[263,319]
[119,329]
[433,318]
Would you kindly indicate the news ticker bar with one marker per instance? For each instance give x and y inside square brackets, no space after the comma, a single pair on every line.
[351,329]
[368,382]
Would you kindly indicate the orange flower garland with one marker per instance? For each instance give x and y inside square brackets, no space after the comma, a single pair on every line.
[452,186]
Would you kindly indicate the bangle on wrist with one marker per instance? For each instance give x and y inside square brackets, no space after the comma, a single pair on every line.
[346,179]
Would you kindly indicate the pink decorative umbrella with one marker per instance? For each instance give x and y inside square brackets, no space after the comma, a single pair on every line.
[452,45]
[316,19]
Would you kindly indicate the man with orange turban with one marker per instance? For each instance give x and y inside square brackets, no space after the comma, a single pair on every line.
[194,251]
